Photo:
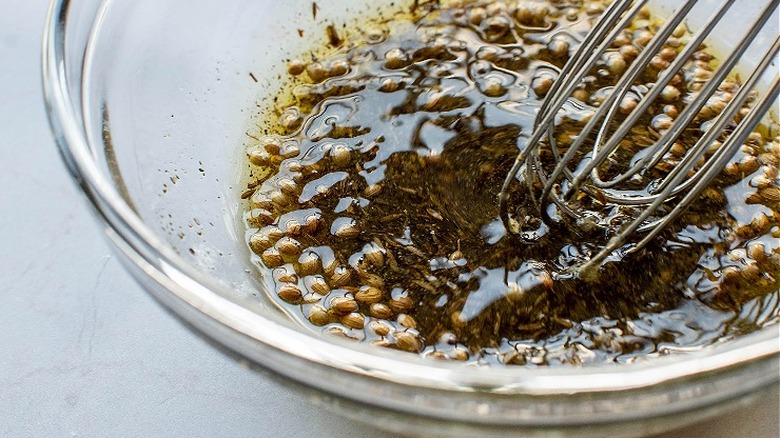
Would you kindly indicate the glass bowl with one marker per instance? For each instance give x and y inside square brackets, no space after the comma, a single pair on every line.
[150,101]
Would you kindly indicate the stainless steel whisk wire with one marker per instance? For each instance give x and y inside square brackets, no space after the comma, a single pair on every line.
[561,184]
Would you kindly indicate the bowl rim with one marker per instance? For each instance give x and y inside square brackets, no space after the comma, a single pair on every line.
[197,293]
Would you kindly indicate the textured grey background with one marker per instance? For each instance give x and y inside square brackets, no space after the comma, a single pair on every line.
[84,351]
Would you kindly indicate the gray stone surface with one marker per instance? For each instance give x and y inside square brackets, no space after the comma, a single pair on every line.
[84,351]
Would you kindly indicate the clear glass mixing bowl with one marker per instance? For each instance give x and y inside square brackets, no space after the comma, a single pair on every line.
[150,101]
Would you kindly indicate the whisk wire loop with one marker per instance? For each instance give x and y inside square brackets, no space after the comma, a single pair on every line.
[652,158]
[578,170]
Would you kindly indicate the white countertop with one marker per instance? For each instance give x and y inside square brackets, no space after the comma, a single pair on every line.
[85,352]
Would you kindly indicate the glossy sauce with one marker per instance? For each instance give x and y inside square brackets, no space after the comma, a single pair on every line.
[372,212]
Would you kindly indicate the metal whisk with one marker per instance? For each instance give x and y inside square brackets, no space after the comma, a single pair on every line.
[557,189]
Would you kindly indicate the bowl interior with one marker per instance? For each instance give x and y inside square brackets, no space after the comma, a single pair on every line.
[172,93]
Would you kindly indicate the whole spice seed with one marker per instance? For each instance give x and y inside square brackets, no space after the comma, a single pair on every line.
[296,67]
[373,280]
[283,275]
[459,354]
[311,298]
[318,285]
[279,199]
[407,342]
[396,59]
[343,305]
[292,227]
[372,190]
[316,72]
[615,63]
[288,247]
[261,200]
[345,228]
[559,47]
[340,155]
[374,255]
[401,304]
[368,295]
[290,293]
[379,328]
[259,157]
[288,186]
[756,250]
[771,194]
[319,316]
[313,224]
[271,258]
[381,311]
[382,342]
[309,263]
[354,320]
[338,68]
[541,84]
[259,242]
[342,275]
[407,321]
[271,144]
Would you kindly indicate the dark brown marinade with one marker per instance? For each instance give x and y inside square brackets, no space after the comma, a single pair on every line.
[372,211]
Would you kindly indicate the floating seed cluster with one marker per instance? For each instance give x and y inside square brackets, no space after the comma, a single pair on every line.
[372,213]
